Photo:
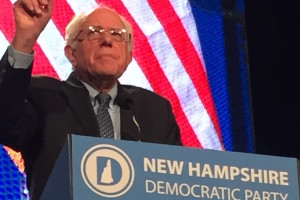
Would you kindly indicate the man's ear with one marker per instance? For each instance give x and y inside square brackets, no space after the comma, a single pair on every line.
[129,57]
[69,52]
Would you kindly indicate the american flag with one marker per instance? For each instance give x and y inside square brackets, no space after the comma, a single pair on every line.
[168,58]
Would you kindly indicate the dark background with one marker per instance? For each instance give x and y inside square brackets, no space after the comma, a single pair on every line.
[273,34]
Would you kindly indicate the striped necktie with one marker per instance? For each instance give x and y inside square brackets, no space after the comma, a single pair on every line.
[103,117]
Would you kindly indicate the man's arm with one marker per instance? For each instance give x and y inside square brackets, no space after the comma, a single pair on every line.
[13,91]
[17,115]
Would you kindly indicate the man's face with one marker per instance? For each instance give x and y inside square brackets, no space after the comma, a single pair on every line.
[104,58]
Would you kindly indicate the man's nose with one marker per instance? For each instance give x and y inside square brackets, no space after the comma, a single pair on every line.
[106,39]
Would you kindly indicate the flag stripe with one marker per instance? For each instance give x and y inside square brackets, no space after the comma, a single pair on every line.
[80,6]
[185,51]
[184,12]
[4,43]
[135,76]
[8,28]
[62,15]
[53,47]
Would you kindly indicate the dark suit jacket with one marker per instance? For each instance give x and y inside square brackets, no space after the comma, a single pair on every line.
[36,114]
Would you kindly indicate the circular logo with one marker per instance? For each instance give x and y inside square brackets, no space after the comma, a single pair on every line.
[107,170]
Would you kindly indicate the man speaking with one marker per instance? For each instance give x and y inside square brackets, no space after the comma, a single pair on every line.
[37,113]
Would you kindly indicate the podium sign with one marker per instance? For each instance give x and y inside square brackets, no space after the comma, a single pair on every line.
[114,169]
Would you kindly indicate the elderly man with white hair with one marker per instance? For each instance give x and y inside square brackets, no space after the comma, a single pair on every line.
[37,113]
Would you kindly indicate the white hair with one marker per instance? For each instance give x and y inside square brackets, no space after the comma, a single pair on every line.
[73,27]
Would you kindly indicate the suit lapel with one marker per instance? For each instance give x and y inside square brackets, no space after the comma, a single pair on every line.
[130,129]
[79,102]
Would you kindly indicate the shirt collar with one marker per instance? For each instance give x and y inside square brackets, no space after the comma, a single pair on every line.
[93,93]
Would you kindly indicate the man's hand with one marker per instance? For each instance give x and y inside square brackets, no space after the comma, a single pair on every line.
[31,17]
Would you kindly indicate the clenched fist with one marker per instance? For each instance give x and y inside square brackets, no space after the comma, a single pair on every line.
[31,17]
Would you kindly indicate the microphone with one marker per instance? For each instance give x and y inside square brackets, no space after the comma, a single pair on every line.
[137,125]
[125,101]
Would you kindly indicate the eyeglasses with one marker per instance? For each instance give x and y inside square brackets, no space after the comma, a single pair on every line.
[94,33]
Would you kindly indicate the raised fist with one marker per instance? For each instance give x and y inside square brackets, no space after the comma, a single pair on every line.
[31,17]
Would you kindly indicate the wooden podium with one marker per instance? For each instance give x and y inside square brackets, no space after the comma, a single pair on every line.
[96,168]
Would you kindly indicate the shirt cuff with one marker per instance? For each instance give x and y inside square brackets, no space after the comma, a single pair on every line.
[19,60]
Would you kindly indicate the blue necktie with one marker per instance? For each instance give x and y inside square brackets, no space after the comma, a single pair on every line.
[103,117]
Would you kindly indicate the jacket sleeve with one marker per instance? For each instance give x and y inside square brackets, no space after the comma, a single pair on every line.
[17,114]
